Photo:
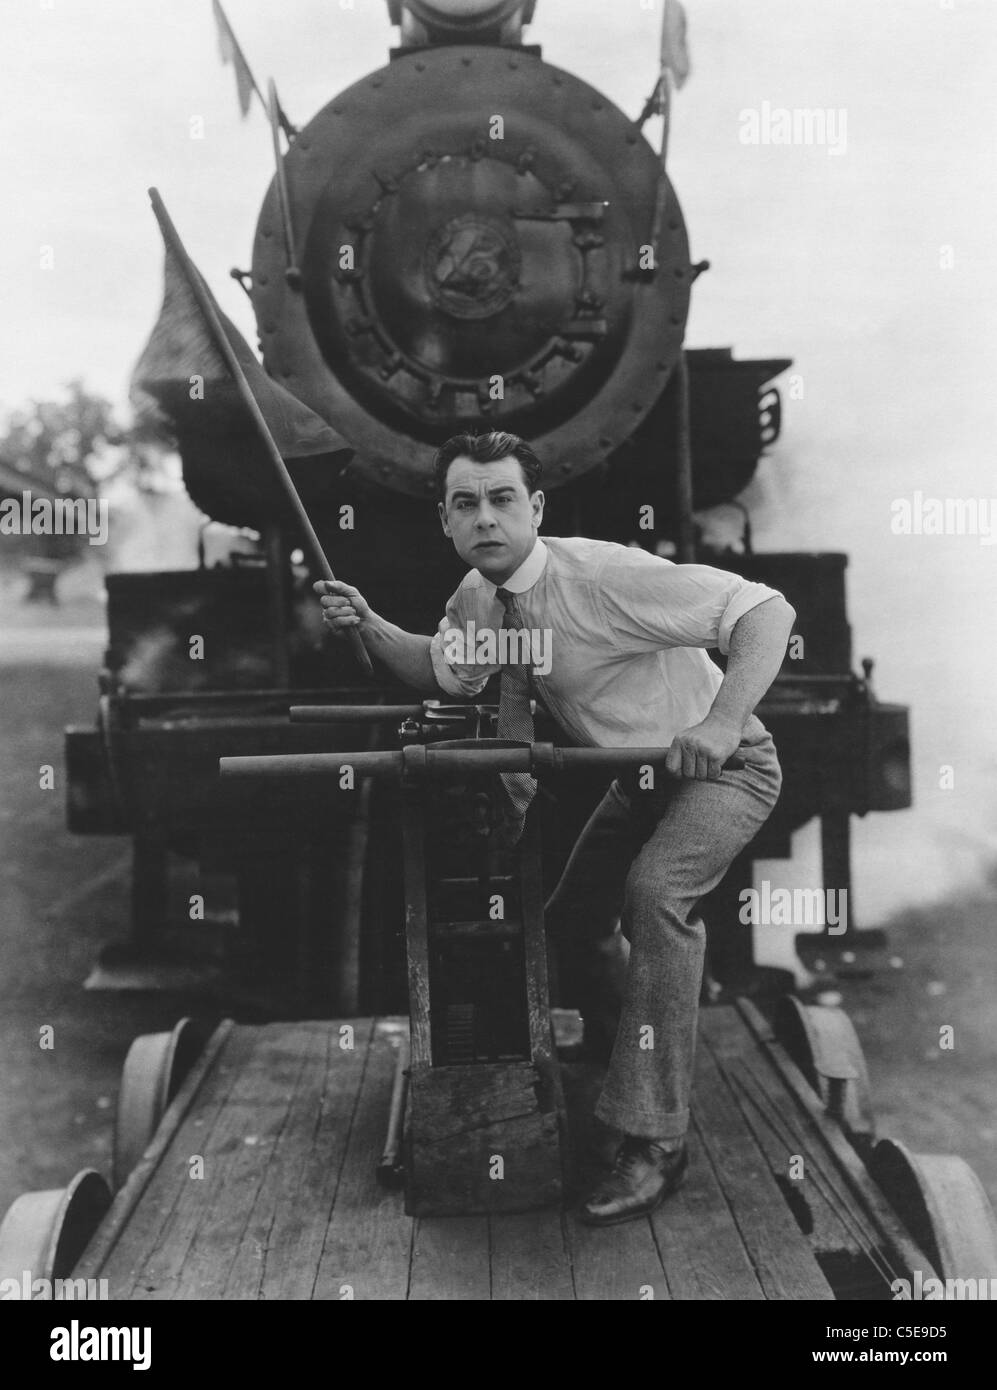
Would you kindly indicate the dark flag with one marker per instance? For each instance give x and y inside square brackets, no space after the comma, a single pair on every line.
[181,368]
[182,376]
[228,47]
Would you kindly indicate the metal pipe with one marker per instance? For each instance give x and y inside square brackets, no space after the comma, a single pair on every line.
[684,465]
[390,1164]
[355,714]
[440,763]
[283,195]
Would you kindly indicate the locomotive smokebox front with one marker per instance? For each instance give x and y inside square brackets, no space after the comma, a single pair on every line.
[473,229]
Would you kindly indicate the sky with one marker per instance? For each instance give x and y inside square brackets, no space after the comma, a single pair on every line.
[101,98]
[874,269]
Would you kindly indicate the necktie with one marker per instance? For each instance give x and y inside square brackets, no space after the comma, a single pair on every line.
[515,721]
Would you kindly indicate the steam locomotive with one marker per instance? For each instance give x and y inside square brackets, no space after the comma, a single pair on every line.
[468,237]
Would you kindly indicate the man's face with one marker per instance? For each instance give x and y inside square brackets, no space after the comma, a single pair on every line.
[489,515]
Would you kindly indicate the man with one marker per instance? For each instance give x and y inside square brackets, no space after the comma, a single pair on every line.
[627,668]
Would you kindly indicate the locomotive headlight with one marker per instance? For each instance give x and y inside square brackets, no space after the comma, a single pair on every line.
[469,10]
[461,21]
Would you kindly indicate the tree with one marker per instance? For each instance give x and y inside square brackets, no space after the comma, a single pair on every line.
[72,447]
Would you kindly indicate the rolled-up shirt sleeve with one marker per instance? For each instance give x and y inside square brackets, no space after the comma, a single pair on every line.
[649,602]
[455,677]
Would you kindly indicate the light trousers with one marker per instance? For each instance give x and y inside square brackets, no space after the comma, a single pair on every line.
[644,860]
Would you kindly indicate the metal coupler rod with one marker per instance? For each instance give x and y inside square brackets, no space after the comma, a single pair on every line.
[440,763]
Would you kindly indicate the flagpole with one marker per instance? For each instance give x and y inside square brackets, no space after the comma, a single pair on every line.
[661,197]
[670,55]
[224,346]
[686,549]
[292,273]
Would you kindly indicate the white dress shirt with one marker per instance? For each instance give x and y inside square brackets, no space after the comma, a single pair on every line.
[626,633]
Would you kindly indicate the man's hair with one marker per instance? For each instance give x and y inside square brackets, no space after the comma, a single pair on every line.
[486,448]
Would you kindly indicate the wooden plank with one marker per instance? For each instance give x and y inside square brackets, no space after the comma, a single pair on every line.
[535,947]
[286,1221]
[450,1259]
[455,1100]
[461,1120]
[782,1134]
[905,1251]
[304,1194]
[616,1262]
[368,1241]
[194,1259]
[416,921]
[529,1258]
[701,1247]
[783,1260]
[93,1263]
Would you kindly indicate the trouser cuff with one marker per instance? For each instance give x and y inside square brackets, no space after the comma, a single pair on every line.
[642,1124]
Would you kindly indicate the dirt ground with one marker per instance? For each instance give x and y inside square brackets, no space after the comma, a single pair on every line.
[62,898]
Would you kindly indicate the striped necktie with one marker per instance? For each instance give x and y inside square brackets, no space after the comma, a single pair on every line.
[515,721]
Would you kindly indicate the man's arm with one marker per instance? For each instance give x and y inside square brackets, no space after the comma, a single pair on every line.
[406,654]
[757,647]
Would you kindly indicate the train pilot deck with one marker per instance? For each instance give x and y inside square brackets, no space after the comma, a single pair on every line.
[260,1183]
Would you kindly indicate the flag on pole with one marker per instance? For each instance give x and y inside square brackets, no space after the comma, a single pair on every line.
[191,321]
[674,46]
[228,47]
[182,377]
[290,131]
[183,371]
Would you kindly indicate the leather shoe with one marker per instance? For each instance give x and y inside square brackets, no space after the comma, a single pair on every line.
[643,1175]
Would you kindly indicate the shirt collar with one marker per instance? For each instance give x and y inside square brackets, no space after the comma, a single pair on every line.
[526,576]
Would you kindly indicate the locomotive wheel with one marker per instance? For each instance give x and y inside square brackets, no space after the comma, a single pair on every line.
[824,1045]
[154,1069]
[942,1203]
[44,1233]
